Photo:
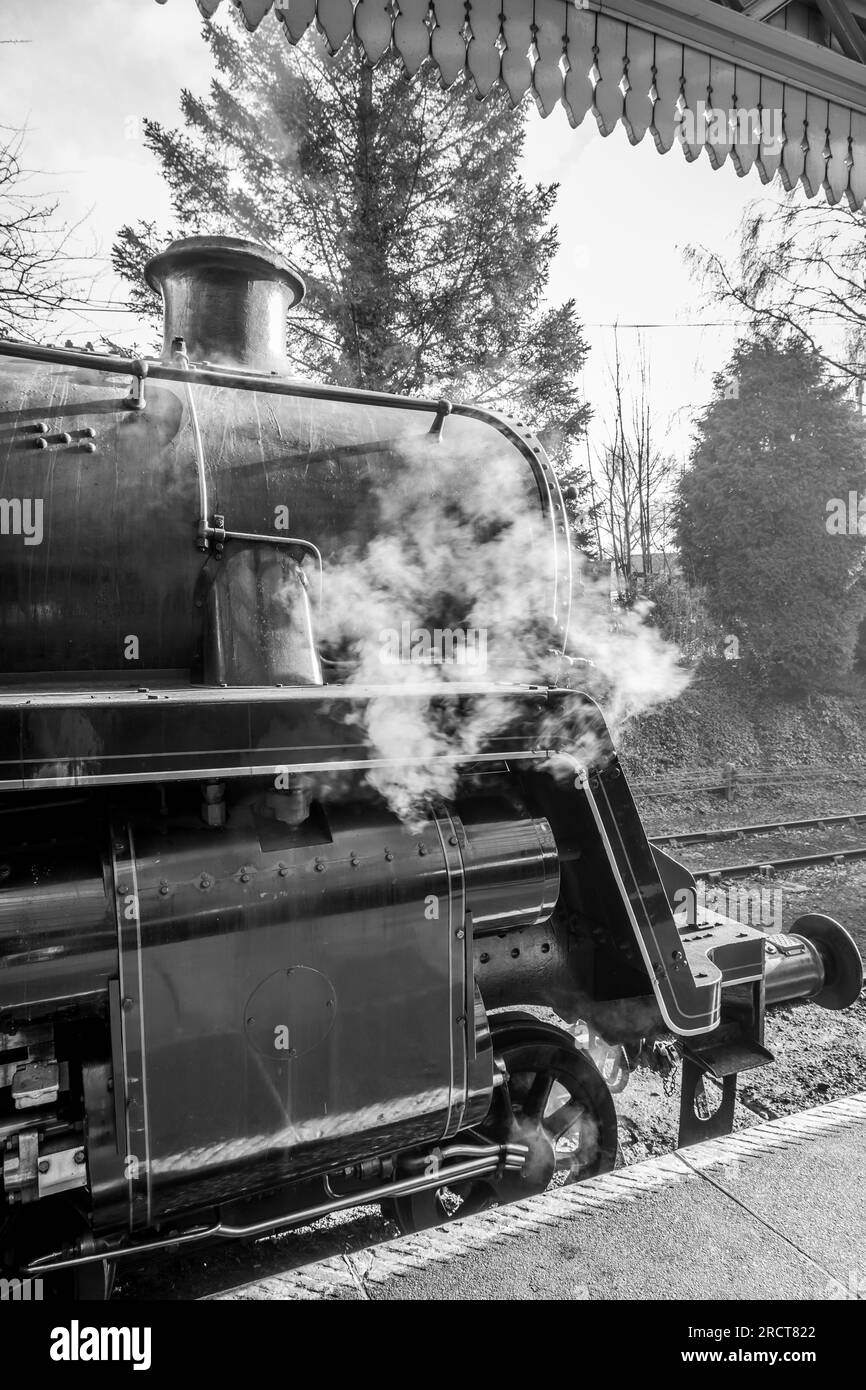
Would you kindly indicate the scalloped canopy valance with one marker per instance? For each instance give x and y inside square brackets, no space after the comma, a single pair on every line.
[767,84]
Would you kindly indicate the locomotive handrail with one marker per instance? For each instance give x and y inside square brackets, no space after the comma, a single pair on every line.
[212,375]
[213,529]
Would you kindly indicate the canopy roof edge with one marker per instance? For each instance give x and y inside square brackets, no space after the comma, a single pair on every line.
[770,85]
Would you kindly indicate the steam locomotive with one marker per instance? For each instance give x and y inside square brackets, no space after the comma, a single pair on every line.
[282,929]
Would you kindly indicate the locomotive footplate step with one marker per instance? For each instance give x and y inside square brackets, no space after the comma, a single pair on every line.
[728,1057]
[721,1061]
[703,1222]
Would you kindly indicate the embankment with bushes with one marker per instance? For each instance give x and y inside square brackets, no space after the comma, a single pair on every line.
[721,718]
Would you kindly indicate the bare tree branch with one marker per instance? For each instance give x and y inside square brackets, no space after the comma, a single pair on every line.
[38,272]
[799,272]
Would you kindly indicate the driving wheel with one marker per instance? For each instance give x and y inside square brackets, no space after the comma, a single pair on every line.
[554,1100]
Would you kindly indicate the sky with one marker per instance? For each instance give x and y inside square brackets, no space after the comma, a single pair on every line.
[85,75]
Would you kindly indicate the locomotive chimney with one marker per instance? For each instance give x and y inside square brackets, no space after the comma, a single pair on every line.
[227,299]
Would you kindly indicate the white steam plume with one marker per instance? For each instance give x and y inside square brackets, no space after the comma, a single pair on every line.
[460,546]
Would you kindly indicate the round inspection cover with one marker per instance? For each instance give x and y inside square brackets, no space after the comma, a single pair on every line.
[290,1013]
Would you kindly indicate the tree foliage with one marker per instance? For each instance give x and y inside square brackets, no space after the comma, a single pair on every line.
[425,252]
[800,271]
[754,513]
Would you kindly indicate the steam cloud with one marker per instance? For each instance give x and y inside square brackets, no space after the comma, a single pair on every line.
[459,544]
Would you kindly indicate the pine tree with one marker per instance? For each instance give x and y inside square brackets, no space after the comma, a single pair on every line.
[778,453]
[426,254]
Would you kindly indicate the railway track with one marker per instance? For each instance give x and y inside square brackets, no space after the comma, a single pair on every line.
[774,861]
[732,832]
[765,866]
[731,778]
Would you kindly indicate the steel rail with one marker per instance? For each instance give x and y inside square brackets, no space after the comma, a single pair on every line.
[712,780]
[695,837]
[802,861]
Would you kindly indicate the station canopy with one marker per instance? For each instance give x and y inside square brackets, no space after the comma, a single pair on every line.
[767,84]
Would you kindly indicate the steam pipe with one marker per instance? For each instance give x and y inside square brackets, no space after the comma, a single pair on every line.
[511,1157]
[198,449]
[207,531]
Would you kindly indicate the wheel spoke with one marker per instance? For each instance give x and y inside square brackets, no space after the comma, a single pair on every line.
[538,1095]
[562,1120]
[575,1140]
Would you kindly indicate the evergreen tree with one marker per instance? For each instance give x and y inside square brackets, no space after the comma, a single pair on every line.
[778,453]
[426,254]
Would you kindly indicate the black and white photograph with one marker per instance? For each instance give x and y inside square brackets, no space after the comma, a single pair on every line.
[432,675]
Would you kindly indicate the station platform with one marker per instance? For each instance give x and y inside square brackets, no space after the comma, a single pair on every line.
[776,1211]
